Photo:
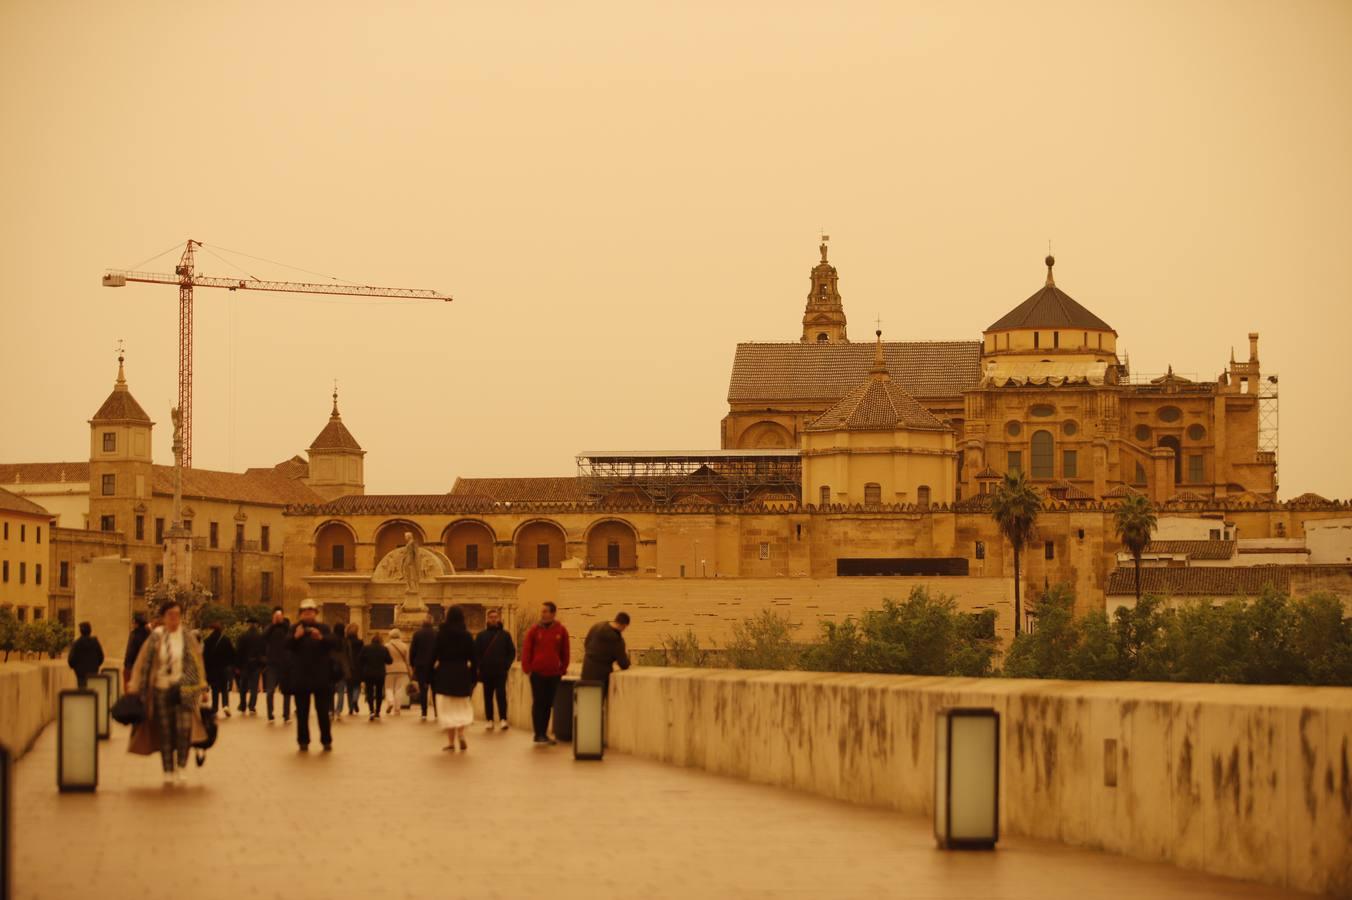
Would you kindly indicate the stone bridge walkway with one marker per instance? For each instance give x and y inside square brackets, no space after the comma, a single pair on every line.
[388,815]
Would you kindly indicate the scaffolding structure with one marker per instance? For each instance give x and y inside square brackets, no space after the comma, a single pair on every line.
[1267,423]
[718,476]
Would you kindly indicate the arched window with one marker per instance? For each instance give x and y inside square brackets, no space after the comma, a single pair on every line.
[822,338]
[1044,455]
[335,548]
[1140,474]
[1175,445]
[390,536]
[825,494]
[612,544]
[766,436]
[469,545]
[873,494]
[540,545]
[922,495]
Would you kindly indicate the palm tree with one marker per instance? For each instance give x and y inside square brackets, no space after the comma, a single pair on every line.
[1134,519]
[1014,505]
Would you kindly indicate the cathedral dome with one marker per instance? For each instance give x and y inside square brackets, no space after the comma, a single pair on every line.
[879,404]
[1051,322]
[1050,307]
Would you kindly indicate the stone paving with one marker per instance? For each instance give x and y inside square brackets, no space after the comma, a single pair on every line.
[389,815]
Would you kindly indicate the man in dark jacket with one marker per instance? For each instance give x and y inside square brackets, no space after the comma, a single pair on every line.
[372,662]
[422,655]
[139,633]
[218,655]
[277,660]
[249,656]
[494,650]
[311,647]
[603,649]
[544,657]
[86,654]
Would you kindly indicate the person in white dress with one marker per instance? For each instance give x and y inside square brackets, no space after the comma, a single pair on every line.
[453,679]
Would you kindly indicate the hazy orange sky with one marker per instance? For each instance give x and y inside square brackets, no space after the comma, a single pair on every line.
[617,193]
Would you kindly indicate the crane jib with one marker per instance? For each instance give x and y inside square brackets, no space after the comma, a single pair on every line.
[120,278]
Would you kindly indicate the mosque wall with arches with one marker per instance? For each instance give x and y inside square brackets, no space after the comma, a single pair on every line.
[1074,543]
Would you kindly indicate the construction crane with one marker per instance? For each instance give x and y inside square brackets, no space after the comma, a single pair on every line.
[186,277]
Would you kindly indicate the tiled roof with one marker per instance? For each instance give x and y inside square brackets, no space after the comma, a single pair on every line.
[1122,490]
[43,473]
[1064,490]
[1194,549]
[397,505]
[566,489]
[879,404]
[335,436]
[826,372]
[280,485]
[295,467]
[10,502]
[269,487]
[121,406]
[1200,581]
[1050,307]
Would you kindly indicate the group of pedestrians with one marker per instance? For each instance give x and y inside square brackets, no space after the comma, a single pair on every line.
[183,681]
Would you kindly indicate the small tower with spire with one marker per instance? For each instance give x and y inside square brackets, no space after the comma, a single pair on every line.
[336,459]
[824,318]
[120,470]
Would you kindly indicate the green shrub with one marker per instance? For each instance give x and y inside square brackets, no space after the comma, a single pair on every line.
[925,635]
[677,650]
[763,641]
[48,637]
[9,632]
[1270,640]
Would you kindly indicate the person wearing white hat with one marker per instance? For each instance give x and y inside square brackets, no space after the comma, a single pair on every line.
[312,673]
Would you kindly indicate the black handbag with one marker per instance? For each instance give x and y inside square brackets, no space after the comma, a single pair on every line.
[129,709]
[209,723]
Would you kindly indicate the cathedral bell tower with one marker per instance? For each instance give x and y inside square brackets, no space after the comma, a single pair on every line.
[824,318]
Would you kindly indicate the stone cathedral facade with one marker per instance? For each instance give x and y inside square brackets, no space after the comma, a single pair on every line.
[1043,391]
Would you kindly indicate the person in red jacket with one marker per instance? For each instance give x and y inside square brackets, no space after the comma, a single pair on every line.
[544,657]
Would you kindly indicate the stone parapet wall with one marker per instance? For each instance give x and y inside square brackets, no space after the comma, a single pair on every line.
[710,607]
[1248,782]
[29,694]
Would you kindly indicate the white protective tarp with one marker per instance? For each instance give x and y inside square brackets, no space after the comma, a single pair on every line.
[1001,372]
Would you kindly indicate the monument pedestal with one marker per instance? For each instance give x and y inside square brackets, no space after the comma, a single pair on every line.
[409,620]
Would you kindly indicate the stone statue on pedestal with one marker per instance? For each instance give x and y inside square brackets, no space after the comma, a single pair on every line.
[411,569]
